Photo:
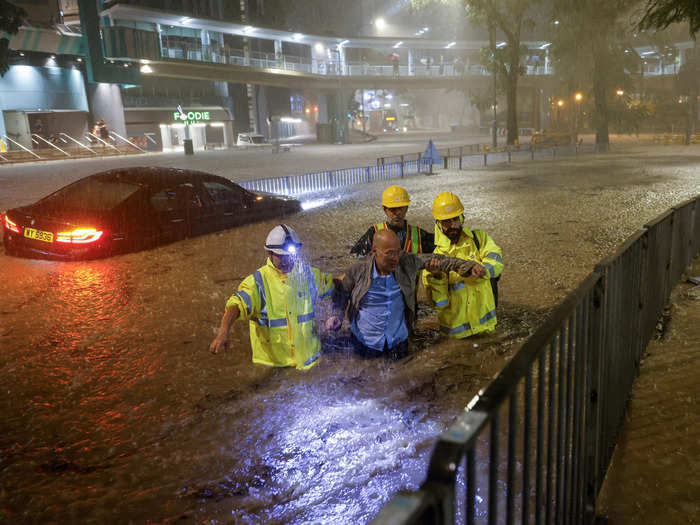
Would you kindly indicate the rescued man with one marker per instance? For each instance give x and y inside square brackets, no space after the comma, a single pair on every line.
[395,201]
[280,301]
[465,305]
[381,292]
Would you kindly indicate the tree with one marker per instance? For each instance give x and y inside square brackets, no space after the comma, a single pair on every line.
[509,17]
[659,14]
[590,32]
[11,18]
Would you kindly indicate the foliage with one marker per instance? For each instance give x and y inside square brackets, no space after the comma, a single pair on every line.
[659,14]
[504,19]
[589,48]
[11,18]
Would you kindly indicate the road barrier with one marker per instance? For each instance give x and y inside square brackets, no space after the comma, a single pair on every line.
[399,166]
[327,180]
[535,444]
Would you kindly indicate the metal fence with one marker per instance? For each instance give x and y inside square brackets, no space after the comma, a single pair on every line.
[327,180]
[399,166]
[535,444]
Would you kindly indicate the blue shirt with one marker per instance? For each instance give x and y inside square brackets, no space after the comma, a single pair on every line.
[381,319]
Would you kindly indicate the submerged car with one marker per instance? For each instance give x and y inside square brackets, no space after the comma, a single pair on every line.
[251,139]
[132,209]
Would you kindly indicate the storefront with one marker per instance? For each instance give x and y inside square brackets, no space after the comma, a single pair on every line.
[159,129]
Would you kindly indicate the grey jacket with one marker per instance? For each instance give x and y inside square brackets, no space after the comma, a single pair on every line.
[358,279]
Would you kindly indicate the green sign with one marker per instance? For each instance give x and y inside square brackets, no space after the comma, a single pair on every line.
[191,117]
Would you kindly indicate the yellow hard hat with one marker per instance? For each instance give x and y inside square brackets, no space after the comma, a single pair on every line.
[446,206]
[395,197]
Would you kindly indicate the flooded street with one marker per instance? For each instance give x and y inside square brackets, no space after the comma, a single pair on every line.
[114,411]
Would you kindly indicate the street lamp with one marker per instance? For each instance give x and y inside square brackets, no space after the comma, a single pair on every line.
[380,24]
[578,97]
[560,103]
[620,92]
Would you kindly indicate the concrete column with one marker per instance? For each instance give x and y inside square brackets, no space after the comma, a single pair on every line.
[343,63]
[411,71]
[205,44]
[105,102]
[278,49]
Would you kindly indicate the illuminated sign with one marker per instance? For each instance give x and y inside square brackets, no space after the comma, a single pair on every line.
[390,118]
[191,117]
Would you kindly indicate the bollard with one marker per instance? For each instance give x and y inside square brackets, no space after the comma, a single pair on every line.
[460,157]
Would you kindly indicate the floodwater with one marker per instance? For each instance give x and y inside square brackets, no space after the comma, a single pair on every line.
[114,411]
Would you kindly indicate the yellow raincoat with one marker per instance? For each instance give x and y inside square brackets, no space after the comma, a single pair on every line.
[465,305]
[280,308]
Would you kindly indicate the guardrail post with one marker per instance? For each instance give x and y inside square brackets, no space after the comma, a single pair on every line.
[485,159]
[508,156]
[367,174]
[330,179]
[460,157]
[286,186]
[447,157]
[594,420]
[402,166]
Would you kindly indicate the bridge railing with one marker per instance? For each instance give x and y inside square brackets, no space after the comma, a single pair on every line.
[535,444]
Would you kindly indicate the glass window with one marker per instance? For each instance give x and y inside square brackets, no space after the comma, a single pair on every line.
[221,193]
[177,198]
[93,194]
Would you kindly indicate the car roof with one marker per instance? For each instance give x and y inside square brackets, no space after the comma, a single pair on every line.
[156,176]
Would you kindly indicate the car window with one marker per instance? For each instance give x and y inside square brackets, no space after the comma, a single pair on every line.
[93,194]
[257,139]
[222,193]
[176,198]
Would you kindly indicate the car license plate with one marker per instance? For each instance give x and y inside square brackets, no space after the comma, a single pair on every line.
[38,235]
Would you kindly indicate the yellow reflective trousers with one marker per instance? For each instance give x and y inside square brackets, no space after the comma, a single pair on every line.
[280,308]
[465,305]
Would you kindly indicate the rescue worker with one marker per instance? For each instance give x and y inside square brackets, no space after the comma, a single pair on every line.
[465,305]
[280,301]
[413,239]
[381,291]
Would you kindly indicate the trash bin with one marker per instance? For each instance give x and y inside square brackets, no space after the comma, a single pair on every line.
[189,148]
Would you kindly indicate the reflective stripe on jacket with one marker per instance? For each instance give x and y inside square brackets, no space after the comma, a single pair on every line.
[412,243]
[465,306]
[280,308]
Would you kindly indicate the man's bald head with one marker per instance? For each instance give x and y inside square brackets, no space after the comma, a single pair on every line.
[386,249]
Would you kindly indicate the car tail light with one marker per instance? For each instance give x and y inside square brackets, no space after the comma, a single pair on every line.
[79,236]
[11,225]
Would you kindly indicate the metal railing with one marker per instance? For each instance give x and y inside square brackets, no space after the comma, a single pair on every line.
[478,156]
[327,180]
[535,444]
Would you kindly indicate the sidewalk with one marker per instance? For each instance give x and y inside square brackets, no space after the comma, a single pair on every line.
[654,476]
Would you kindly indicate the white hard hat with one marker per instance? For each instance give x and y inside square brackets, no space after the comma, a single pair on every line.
[283,240]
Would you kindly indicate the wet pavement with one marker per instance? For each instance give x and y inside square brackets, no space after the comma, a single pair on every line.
[654,476]
[114,410]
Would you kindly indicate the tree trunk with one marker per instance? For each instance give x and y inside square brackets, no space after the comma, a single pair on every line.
[600,92]
[512,90]
[512,103]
